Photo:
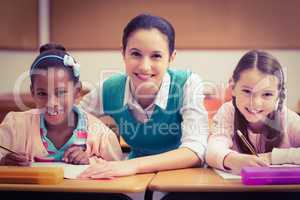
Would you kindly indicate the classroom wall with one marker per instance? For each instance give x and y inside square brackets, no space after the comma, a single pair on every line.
[199,24]
[212,56]
[214,66]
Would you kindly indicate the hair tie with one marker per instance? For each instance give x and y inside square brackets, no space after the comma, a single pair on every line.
[67,61]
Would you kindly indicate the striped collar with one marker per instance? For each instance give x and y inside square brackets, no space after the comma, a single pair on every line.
[81,121]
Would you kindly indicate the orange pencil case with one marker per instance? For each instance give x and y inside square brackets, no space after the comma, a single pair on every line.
[31,175]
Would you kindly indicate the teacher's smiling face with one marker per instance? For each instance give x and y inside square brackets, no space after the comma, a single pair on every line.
[146,60]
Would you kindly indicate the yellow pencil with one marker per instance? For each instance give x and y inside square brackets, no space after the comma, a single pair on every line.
[252,150]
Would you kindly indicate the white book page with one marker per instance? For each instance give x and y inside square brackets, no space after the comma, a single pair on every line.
[227,175]
[70,171]
[285,165]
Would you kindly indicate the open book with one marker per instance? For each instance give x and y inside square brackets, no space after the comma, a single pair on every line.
[70,171]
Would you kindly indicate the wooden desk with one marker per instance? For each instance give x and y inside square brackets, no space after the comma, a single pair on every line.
[125,147]
[205,180]
[81,189]
[130,184]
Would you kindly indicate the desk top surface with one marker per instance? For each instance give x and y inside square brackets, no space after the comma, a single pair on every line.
[183,180]
[130,184]
[206,180]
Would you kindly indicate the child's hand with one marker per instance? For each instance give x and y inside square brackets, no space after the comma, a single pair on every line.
[13,159]
[236,161]
[266,157]
[76,155]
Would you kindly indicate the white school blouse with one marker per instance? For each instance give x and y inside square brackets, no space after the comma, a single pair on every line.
[195,119]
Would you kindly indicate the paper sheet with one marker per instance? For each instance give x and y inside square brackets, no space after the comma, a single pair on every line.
[70,171]
[227,175]
[285,165]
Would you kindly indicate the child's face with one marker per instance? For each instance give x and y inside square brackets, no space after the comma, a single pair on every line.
[54,93]
[147,58]
[256,94]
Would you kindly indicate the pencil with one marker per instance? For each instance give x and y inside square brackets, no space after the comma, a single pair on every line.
[252,150]
[11,151]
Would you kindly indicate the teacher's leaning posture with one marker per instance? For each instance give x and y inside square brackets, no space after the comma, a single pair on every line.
[159,111]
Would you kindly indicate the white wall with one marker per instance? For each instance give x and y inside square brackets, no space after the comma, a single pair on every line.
[214,66]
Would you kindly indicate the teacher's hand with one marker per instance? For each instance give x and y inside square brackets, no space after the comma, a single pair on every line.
[109,169]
